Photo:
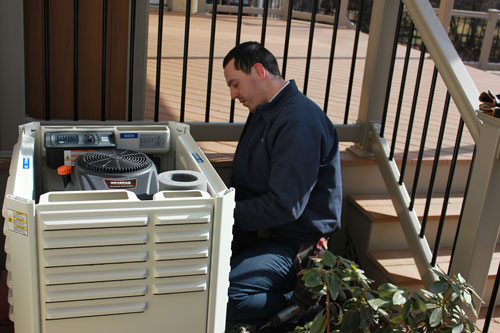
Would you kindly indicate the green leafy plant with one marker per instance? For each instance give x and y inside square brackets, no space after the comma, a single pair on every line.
[351,305]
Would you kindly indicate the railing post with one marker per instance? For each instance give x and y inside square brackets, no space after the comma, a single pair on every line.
[284,9]
[344,21]
[139,58]
[201,7]
[488,38]
[180,5]
[480,225]
[445,8]
[378,61]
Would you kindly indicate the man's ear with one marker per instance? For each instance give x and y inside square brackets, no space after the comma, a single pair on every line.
[260,70]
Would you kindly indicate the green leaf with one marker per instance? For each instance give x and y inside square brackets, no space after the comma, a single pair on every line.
[329,259]
[377,303]
[318,290]
[436,317]
[312,279]
[317,261]
[351,322]
[430,306]
[458,328]
[422,306]
[388,290]
[369,295]
[411,322]
[397,319]
[388,287]
[467,297]
[319,323]
[439,286]
[440,274]
[398,298]
[333,286]
[428,294]
[306,273]
[383,313]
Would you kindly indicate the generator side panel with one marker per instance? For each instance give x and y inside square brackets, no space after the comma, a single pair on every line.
[222,237]
[125,265]
[20,235]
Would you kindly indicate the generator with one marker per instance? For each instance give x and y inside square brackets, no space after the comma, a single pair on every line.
[115,228]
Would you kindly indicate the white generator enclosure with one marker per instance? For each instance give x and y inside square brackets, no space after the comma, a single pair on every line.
[132,234]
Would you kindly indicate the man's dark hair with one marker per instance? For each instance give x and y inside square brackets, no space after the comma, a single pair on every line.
[247,54]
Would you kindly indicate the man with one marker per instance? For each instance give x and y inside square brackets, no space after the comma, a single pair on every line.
[286,172]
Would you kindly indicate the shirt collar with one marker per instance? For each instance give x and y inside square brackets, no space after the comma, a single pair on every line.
[286,83]
[287,88]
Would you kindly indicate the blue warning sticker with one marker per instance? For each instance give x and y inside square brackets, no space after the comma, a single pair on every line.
[197,157]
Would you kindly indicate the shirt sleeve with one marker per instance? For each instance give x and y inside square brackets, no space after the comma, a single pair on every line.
[295,149]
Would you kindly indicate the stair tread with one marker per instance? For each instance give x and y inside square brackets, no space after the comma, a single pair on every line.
[221,153]
[400,267]
[379,207]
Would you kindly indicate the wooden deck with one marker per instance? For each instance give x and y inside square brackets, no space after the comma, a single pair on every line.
[198,67]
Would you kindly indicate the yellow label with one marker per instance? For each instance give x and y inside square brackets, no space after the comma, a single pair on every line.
[17,222]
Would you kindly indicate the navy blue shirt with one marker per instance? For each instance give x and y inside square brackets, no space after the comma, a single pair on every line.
[286,169]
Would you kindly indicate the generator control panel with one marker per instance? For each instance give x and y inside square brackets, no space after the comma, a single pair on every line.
[60,147]
[79,140]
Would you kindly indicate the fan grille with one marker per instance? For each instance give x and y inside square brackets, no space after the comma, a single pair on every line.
[114,161]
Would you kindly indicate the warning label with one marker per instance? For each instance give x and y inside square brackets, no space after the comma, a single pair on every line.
[70,156]
[17,222]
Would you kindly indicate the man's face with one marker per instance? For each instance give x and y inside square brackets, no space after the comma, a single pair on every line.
[245,87]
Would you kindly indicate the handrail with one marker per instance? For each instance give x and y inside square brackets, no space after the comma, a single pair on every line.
[410,224]
[452,70]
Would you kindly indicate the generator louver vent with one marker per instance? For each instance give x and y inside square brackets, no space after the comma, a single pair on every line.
[114,161]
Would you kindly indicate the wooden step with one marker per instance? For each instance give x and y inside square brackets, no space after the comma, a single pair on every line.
[373,218]
[400,269]
[379,207]
[221,153]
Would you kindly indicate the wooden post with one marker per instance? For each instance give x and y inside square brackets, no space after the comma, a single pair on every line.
[344,21]
[378,61]
[488,38]
[284,9]
[445,8]
[480,225]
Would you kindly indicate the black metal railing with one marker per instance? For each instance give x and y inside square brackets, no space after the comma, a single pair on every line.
[414,41]
[467,34]
[106,37]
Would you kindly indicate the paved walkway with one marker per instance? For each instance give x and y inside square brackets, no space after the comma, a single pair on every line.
[197,82]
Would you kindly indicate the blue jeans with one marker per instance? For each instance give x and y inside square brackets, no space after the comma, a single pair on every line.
[262,280]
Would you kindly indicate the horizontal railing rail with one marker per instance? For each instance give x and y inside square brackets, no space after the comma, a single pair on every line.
[279,10]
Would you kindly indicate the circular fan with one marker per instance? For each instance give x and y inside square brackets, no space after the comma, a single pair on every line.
[114,161]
